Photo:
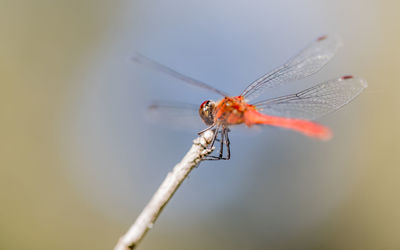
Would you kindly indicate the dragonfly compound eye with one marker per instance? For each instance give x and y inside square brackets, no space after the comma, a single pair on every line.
[206,112]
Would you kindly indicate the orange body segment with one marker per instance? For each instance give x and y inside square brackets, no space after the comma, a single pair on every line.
[230,110]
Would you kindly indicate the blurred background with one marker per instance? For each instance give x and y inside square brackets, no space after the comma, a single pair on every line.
[79,161]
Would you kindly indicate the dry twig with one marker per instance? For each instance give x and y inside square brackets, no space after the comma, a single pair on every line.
[164,193]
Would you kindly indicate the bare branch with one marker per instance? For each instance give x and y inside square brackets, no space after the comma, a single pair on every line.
[164,193]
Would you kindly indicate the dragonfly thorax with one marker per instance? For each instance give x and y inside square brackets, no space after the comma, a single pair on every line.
[206,112]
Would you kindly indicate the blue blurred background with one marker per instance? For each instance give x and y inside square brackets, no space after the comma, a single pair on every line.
[79,160]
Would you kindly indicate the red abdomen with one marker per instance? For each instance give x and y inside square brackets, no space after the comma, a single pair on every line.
[312,129]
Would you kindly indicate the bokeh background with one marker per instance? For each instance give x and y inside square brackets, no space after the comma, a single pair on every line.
[79,160]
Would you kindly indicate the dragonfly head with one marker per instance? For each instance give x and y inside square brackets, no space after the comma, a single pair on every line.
[206,112]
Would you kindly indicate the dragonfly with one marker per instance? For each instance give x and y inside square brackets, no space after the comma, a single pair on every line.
[296,111]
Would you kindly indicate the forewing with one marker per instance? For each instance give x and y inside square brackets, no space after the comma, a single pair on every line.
[309,61]
[173,73]
[316,101]
[175,115]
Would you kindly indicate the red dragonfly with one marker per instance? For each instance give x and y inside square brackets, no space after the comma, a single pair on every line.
[294,111]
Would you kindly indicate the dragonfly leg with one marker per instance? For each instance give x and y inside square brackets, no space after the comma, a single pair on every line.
[224,140]
[214,138]
[221,147]
[216,130]
[206,129]
[227,143]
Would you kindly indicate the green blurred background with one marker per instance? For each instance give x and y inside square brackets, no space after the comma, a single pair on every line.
[56,196]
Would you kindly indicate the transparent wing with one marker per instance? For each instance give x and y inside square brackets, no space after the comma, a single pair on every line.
[175,115]
[309,61]
[316,101]
[166,70]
